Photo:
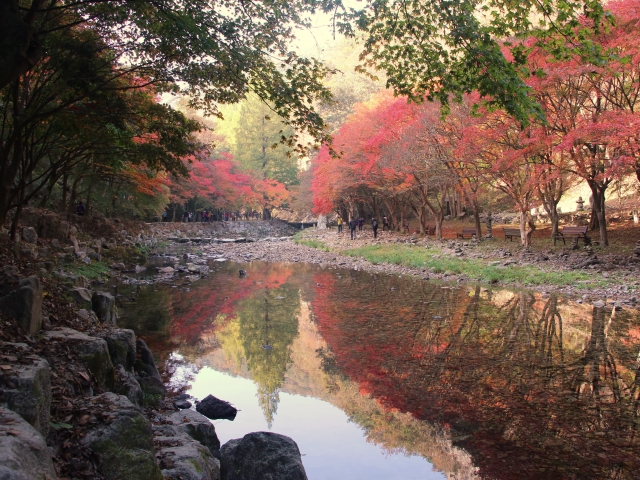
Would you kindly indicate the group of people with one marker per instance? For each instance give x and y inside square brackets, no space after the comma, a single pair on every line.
[359,223]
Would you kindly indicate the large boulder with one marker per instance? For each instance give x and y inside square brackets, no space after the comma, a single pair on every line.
[198,427]
[122,346]
[261,456]
[104,304]
[91,350]
[182,457]
[29,235]
[127,385]
[146,371]
[216,409]
[125,445]
[81,296]
[50,226]
[28,392]
[25,305]
[23,451]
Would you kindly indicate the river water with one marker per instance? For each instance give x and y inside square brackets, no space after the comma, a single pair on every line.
[384,377]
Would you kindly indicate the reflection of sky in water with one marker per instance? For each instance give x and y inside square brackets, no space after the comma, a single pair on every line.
[332,447]
[528,387]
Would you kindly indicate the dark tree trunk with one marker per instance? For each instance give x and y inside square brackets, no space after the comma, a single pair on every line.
[476,218]
[598,192]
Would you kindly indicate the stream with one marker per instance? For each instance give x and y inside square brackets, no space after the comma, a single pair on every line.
[385,377]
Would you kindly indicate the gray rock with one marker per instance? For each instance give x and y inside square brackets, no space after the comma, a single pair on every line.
[183,404]
[50,226]
[122,346]
[125,444]
[127,385]
[119,266]
[87,315]
[182,457]
[214,408]
[31,397]
[91,350]
[599,304]
[104,304]
[81,297]
[261,456]
[146,371]
[25,305]
[23,451]
[30,252]
[29,235]
[198,427]
[193,268]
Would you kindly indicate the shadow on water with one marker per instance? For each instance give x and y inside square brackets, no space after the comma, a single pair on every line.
[515,384]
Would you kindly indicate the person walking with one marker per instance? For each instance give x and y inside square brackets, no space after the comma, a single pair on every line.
[340,222]
[80,209]
[352,228]
[385,223]
[374,226]
[360,223]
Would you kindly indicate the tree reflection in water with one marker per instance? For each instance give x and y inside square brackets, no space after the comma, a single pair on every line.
[520,398]
[531,387]
[267,325]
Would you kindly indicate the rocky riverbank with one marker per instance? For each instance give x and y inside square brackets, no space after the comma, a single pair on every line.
[609,278]
[82,398]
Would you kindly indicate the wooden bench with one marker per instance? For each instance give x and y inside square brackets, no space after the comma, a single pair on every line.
[572,232]
[470,231]
[510,233]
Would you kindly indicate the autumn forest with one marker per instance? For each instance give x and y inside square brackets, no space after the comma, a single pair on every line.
[147,110]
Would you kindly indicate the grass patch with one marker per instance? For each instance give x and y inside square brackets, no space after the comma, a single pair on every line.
[93,270]
[311,243]
[431,259]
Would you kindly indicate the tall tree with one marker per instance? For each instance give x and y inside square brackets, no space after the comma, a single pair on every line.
[260,138]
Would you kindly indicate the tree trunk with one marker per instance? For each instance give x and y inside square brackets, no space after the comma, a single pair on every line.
[439,218]
[63,201]
[593,221]
[598,192]
[421,213]
[376,207]
[526,228]
[16,217]
[89,198]
[476,217]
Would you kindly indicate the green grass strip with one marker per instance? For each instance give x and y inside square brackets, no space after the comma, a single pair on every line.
[436,262]
[311,243]
[92,271]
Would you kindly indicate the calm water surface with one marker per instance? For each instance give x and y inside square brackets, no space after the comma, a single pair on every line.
[383,377]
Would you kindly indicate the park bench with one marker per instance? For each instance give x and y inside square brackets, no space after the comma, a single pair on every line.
[572,232]
[510,233]
[466,231]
